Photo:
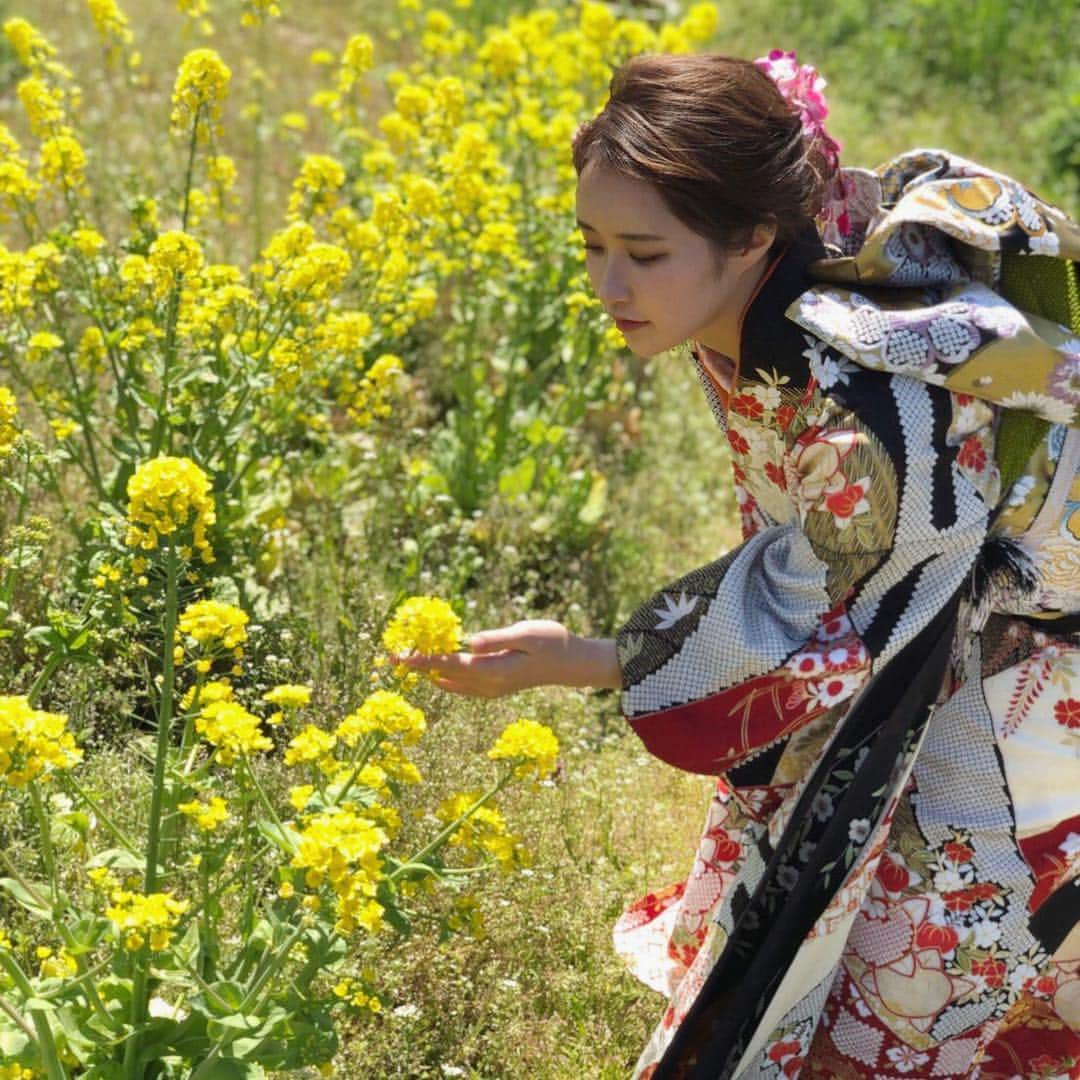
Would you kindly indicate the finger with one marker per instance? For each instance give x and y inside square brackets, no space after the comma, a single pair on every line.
[452,687]
[436,661]
[504,639]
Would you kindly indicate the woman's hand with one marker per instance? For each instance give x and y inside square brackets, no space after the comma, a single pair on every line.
[535,652]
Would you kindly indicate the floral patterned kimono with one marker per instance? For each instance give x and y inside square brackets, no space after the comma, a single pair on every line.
[885,675]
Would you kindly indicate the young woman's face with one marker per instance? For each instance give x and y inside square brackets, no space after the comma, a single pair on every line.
[662,282]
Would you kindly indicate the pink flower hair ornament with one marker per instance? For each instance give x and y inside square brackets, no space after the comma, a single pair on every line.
[802,86]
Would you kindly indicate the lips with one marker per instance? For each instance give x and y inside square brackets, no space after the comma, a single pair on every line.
[628,324]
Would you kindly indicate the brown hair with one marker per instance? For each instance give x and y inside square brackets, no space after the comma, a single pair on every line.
[716,138]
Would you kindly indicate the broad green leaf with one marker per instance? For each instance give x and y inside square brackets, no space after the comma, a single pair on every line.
[116,859]
[596,502]
[281,836]
[519,479]
[25,899]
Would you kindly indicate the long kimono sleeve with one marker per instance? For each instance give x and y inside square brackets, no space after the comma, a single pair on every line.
[868,525]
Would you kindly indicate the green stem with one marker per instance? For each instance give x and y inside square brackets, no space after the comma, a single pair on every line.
[13,1015]
[450,829]
[157,804]
[46,841]
[54,661]
[247,1004]
[364,751]
[161,420]
[50,1058]
[267,805]
[14,872]
[67,779]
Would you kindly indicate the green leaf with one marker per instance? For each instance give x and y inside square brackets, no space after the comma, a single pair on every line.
[25,899]
[116,859]
[86,933]
[519,479]
[12,1042]
[232,1069]
[281,836]
[595,502]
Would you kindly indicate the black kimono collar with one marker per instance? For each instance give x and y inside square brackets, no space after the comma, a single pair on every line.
[769,339]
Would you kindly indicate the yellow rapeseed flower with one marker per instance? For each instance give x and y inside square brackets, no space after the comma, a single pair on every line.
[63,161]
[341,848]
[41,343]
[423,624]
[315,188]
[167,495]
[111,23]
[206,815]
[201,85]
[386,713]
[255,11]
[215,690]
[533,746]
[483,831]
[33,743]
[232,730]
[29,46]
[9,428]
[214,624]
[43,105]
[145,918]
[375,390]
[172,256]
[87,242]
[289,696]
[356,60]
[311,745]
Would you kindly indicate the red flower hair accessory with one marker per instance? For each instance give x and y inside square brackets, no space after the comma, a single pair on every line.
[802,86]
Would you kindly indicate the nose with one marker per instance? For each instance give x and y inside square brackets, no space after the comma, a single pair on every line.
[612,287]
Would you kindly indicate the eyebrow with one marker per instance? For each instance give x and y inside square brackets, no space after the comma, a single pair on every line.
[625,235]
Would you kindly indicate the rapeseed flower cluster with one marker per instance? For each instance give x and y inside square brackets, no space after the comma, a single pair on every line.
[256,11]
[140,919]
[207,816]
[33,743]
[311,746]
[423,624]
[341,848]
[355,993]
[483,831]
[288,697]
[201,85]
[172,257]
[18,188]
[375,390]
[214,624]
[231,730]
[206,693]
[112,26]
[384,713]
[167,495]
[9,428]
[533,747]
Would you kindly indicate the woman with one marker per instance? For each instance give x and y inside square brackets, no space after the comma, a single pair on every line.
[885,675]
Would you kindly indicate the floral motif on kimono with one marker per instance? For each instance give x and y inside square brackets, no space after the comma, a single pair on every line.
[885,674]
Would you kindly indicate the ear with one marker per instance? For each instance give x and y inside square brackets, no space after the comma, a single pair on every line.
[761,239]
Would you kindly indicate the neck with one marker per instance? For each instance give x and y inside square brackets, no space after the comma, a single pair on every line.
[725,335]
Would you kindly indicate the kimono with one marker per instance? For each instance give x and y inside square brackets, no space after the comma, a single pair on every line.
[885,675]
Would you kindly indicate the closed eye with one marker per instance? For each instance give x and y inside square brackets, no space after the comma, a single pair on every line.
[635,258]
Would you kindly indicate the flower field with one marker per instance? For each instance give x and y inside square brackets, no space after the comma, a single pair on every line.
[299,371]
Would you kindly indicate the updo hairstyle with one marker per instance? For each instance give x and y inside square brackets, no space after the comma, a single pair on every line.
[718,141]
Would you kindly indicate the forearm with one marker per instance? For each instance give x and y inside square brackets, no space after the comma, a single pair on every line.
[594,662]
